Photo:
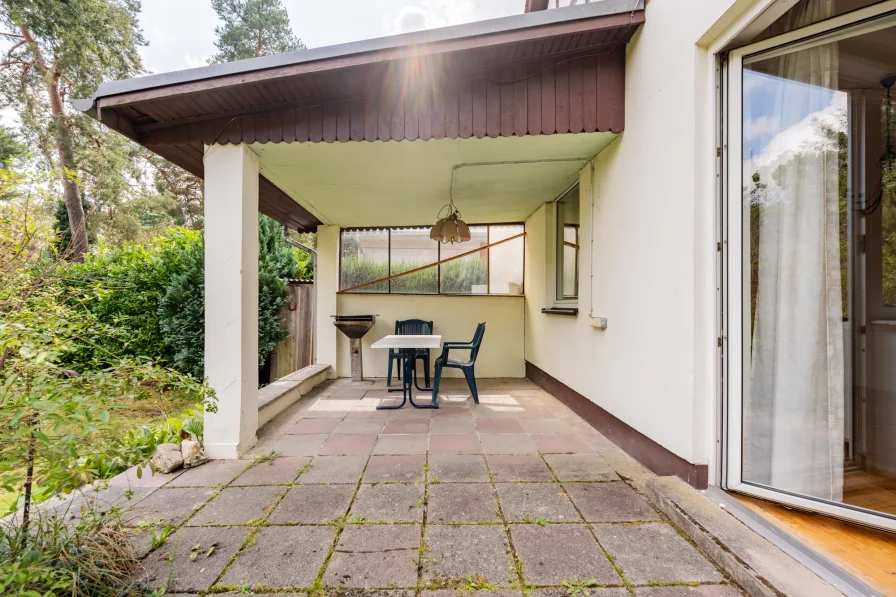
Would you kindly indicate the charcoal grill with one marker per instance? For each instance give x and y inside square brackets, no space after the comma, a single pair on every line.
[354,327]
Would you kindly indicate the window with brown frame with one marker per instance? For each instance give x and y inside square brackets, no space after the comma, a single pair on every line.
[371,260]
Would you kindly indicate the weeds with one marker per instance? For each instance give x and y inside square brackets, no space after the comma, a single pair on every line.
[577,587]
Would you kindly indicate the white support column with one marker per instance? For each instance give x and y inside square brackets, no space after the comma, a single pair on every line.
[327,284]
[231,298]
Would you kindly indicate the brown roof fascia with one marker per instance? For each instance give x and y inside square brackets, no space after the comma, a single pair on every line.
[540,32]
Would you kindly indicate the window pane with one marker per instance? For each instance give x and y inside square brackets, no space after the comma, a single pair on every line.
[364,258]
[412,248]
[505,261]
[467,275]
[568,245]
[817,190]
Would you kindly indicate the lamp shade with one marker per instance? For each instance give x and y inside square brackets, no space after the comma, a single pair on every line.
[450,229]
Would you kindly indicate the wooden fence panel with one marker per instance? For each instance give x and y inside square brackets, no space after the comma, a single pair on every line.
[295,351]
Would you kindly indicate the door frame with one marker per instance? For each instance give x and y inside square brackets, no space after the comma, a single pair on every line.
[733,309]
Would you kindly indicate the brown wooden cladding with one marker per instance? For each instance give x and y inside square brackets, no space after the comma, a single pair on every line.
[570,95]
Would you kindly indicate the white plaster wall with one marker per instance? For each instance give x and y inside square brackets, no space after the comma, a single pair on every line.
[326,285]
[453,317]
[654,246]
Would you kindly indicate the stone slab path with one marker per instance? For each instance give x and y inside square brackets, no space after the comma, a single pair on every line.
[513,496]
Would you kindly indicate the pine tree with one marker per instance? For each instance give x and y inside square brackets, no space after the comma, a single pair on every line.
[252,28]
[63,49]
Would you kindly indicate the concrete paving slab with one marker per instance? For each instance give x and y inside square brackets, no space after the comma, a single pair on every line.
[594,592]
[313,504]
[454,443]
[360,426]
[238,505]
[389,503]
[401,444]
[684,591]
[168,505]
[455,552]
[375,556]
[555,553]
[457,468]
[313,426]
[610,502]
[405,468]
[278,471]
[465,593]
[580,467]
[282,557]
[654,553]
[498,425]
[300,445]
[170,568]
[452,425]
[560,443]
[334,469]
[507,468]
[448,412]
[211,474]
[379,537]
[462,502]
[407,426]
[531,502]
[348,445]
[545,425]
[507,443]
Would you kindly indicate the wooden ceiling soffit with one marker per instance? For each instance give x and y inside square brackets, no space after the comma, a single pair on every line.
[542,97]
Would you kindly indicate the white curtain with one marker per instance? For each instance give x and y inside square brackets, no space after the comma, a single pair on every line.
[794,412]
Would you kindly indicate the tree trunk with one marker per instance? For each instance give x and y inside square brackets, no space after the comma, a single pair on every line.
[77,221]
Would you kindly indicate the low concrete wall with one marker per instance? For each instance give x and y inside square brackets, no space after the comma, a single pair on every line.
[274,398]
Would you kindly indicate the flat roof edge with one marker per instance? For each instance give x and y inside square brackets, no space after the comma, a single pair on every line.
[416,38]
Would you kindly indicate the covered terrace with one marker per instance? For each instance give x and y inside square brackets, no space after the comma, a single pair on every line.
[502,116]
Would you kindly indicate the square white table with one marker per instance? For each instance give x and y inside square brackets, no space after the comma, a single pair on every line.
[409,345]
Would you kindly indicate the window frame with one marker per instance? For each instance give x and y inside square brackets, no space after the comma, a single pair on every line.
[438,292]
[734,343]
[558,299]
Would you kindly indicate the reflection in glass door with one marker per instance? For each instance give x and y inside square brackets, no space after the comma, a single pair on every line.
[817,236]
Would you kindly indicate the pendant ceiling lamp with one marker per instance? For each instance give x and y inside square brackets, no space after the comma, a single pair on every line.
[450,229]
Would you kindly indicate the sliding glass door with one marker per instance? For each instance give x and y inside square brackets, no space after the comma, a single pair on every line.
[811,244]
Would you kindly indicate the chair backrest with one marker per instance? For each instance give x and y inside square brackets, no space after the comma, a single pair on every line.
[413,327]
[477,340]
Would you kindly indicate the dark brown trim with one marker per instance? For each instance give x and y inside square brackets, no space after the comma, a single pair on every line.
[640,447]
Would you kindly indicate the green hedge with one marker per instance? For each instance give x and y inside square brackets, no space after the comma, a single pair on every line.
[154,294]
[458,276]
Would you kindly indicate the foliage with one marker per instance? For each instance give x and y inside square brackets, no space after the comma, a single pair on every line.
[252,28]
[63,49]
[93,558]
[53,419]
[10,145]
[457,276]
[63,233]
[153,295]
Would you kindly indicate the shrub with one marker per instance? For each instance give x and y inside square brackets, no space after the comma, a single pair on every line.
[154,296]
[93,558]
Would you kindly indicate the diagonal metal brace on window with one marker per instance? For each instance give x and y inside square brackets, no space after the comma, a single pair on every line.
[429,265]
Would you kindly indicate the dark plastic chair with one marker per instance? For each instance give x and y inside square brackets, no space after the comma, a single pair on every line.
[410,327]
[466,366]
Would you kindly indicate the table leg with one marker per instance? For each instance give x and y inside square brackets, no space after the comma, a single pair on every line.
[411,378]
[405,391]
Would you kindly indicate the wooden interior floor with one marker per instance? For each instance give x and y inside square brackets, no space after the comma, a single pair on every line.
[865,553]
[867,490]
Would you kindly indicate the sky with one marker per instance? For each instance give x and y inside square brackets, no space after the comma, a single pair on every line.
[181,33]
